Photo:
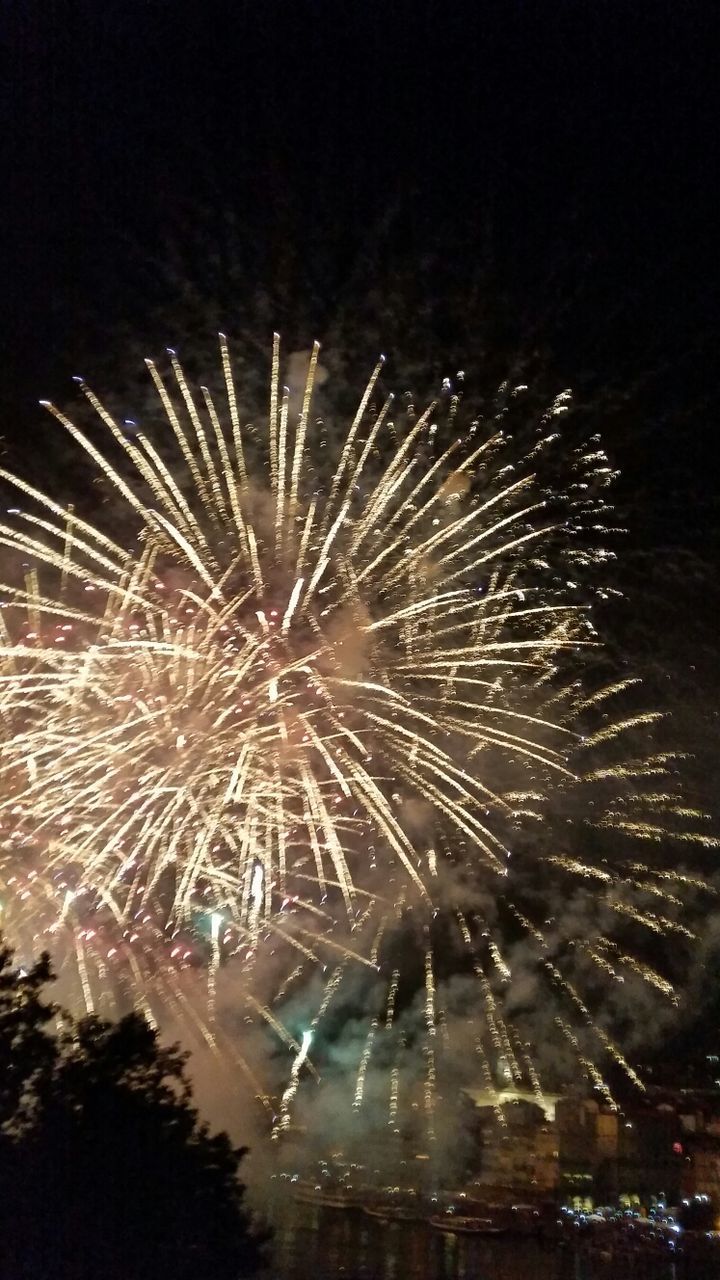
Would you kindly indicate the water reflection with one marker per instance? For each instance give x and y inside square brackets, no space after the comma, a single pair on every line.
[311,1241]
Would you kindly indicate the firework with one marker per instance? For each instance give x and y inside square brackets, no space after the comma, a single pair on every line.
[302,681]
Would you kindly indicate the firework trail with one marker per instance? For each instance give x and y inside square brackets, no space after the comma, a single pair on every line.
[306,684]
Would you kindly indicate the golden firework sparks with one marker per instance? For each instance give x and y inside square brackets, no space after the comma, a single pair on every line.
[291,686]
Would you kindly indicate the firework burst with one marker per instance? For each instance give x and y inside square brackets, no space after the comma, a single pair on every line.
[309,687]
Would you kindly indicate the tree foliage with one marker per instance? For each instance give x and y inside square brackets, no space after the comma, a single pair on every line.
[105,1168]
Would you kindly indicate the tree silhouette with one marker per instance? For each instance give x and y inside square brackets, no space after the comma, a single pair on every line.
[105,1169]
[27,1051]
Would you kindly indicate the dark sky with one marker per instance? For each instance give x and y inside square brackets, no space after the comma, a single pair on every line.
[573,146]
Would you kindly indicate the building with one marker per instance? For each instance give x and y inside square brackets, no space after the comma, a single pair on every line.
[701,1167]
[522,1160]
[663,1148]
[606,1155]
[520,1156]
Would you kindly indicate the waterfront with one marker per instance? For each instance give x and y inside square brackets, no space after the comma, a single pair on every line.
[326,1244]
[310,1241]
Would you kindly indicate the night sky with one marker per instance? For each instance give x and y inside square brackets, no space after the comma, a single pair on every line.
[570,148]
[550,166]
